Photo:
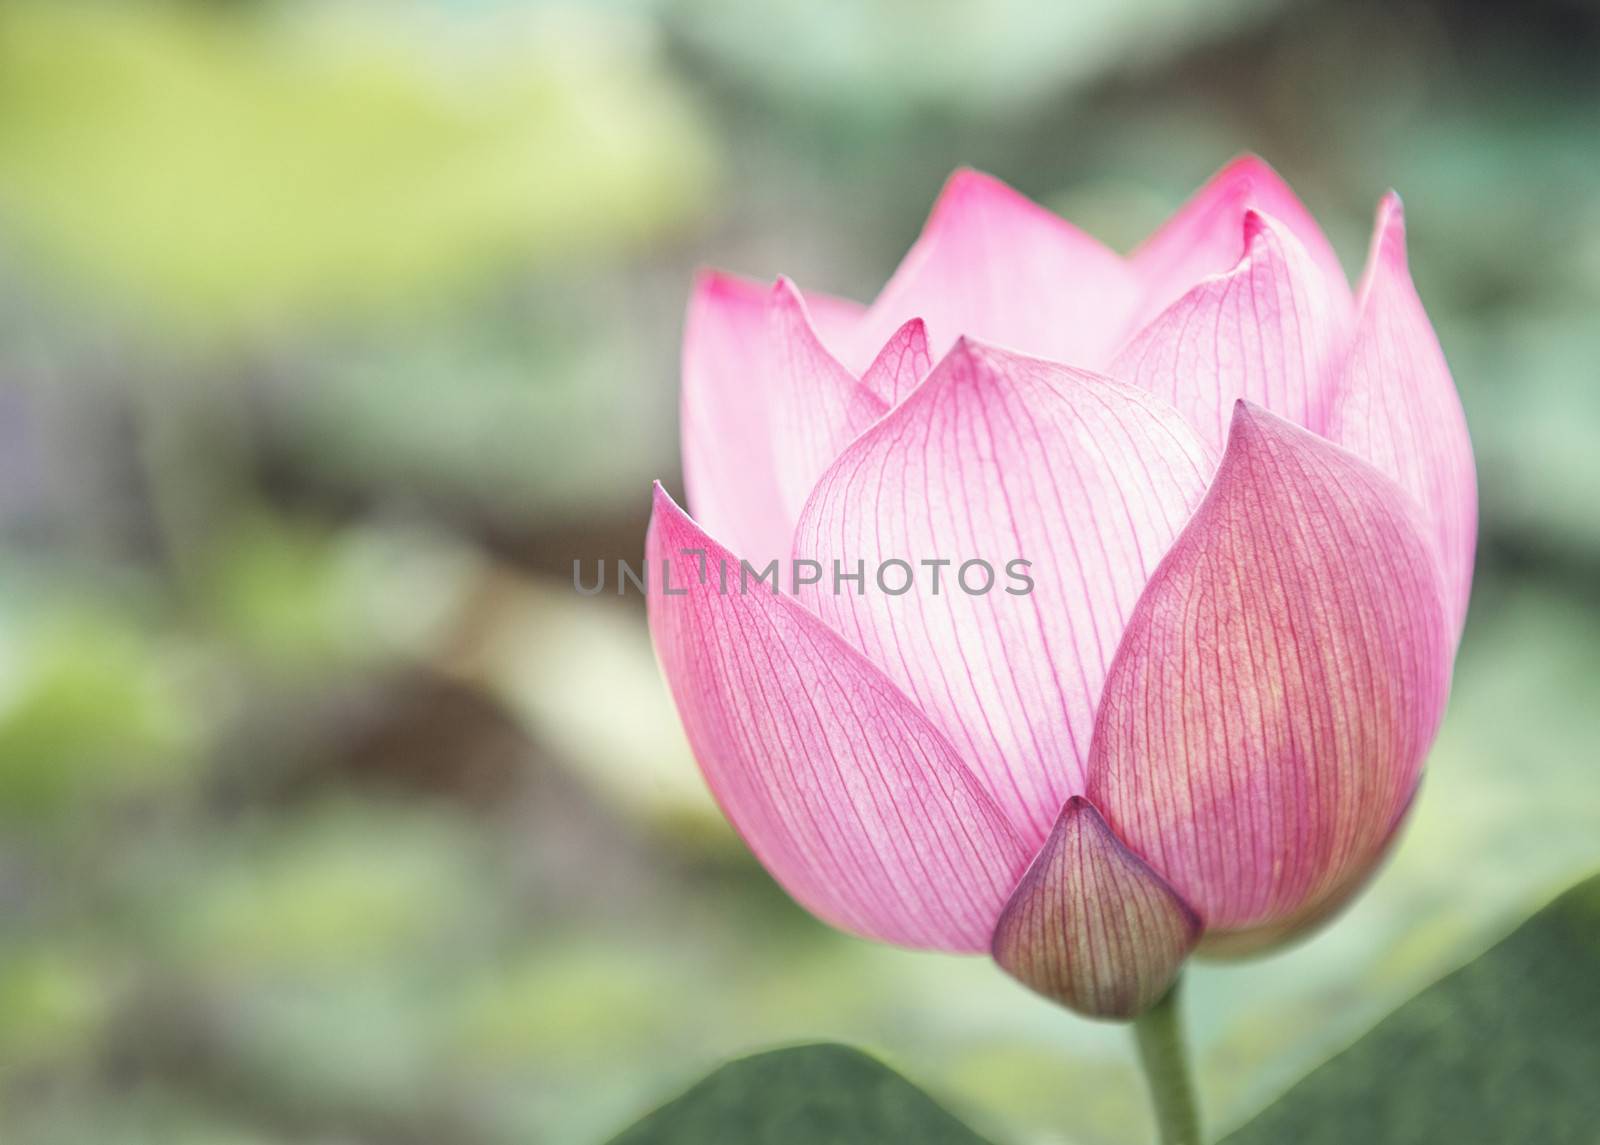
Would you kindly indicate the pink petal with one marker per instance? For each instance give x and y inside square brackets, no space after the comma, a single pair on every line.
[853,801]
[996,457]
[1091,925]
[818,406]
[1279,683]
[835,319]
[1204,237]
[992,265]
[900,365]
[1221,945]
[727,467]
[1267,330]
[765,408]
[1397,406]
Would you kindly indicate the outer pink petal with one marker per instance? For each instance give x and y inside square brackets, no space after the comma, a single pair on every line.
[835,319]
[993,265]
[1397,406]
[764,408]
[1268,330]
[1204,236]
[998,458]
[1091,925]
[731,481]
[817,408]
[902,363]
[1279,683]
[1222,945]
[853,801]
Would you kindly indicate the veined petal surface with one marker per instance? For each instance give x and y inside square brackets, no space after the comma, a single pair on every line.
[846,793]
[1396,405]
[995,458]
[993,265]
[818,406]
[762,398]
[1279,682]
[1223,945]
[1091,925]
[903,362]
[1268,330]
[1205,236]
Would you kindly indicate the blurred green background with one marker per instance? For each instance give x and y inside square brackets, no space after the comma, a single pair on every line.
[332,333]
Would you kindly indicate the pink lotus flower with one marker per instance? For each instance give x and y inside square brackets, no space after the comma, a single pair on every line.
[1249,504]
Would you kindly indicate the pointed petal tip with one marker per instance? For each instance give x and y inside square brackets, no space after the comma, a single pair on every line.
[785,301]
[1081,807]
[1091,925]
[1247,169]
[981,359]
[965,349]
[969,189]
[784,290]
[711,282]
[965,180]
[1251,425]
[1389,231]
[1245,415]
[665,512]
[1264,237]
[901,364]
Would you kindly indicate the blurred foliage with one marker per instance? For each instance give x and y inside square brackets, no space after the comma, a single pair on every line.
[958,56]
[332,334]
[227,167]
[1503,1049]
[88,714]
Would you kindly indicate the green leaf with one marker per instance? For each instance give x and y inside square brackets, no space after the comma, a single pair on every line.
[808,1095]
[1505,1049]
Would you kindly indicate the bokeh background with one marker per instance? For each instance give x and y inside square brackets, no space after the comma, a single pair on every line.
[331,334]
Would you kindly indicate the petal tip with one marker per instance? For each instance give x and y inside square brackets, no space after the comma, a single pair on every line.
[965,348]
[663,508]
[1249,422]
[784,288]
[965,181]
[968,189]
[1091,925]
[1390,230]
[1248,163]
[710,282]
[1255,226]
[784,299]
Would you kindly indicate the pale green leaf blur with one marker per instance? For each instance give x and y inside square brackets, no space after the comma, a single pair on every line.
[331,334]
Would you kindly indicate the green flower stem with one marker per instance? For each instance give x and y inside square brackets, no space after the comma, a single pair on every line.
[1159,1033]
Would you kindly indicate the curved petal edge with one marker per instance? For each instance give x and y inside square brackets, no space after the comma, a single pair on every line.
[992,264]
[846,793]
[1268,330]
[1203,237]
[1279,684]
[1396,405]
